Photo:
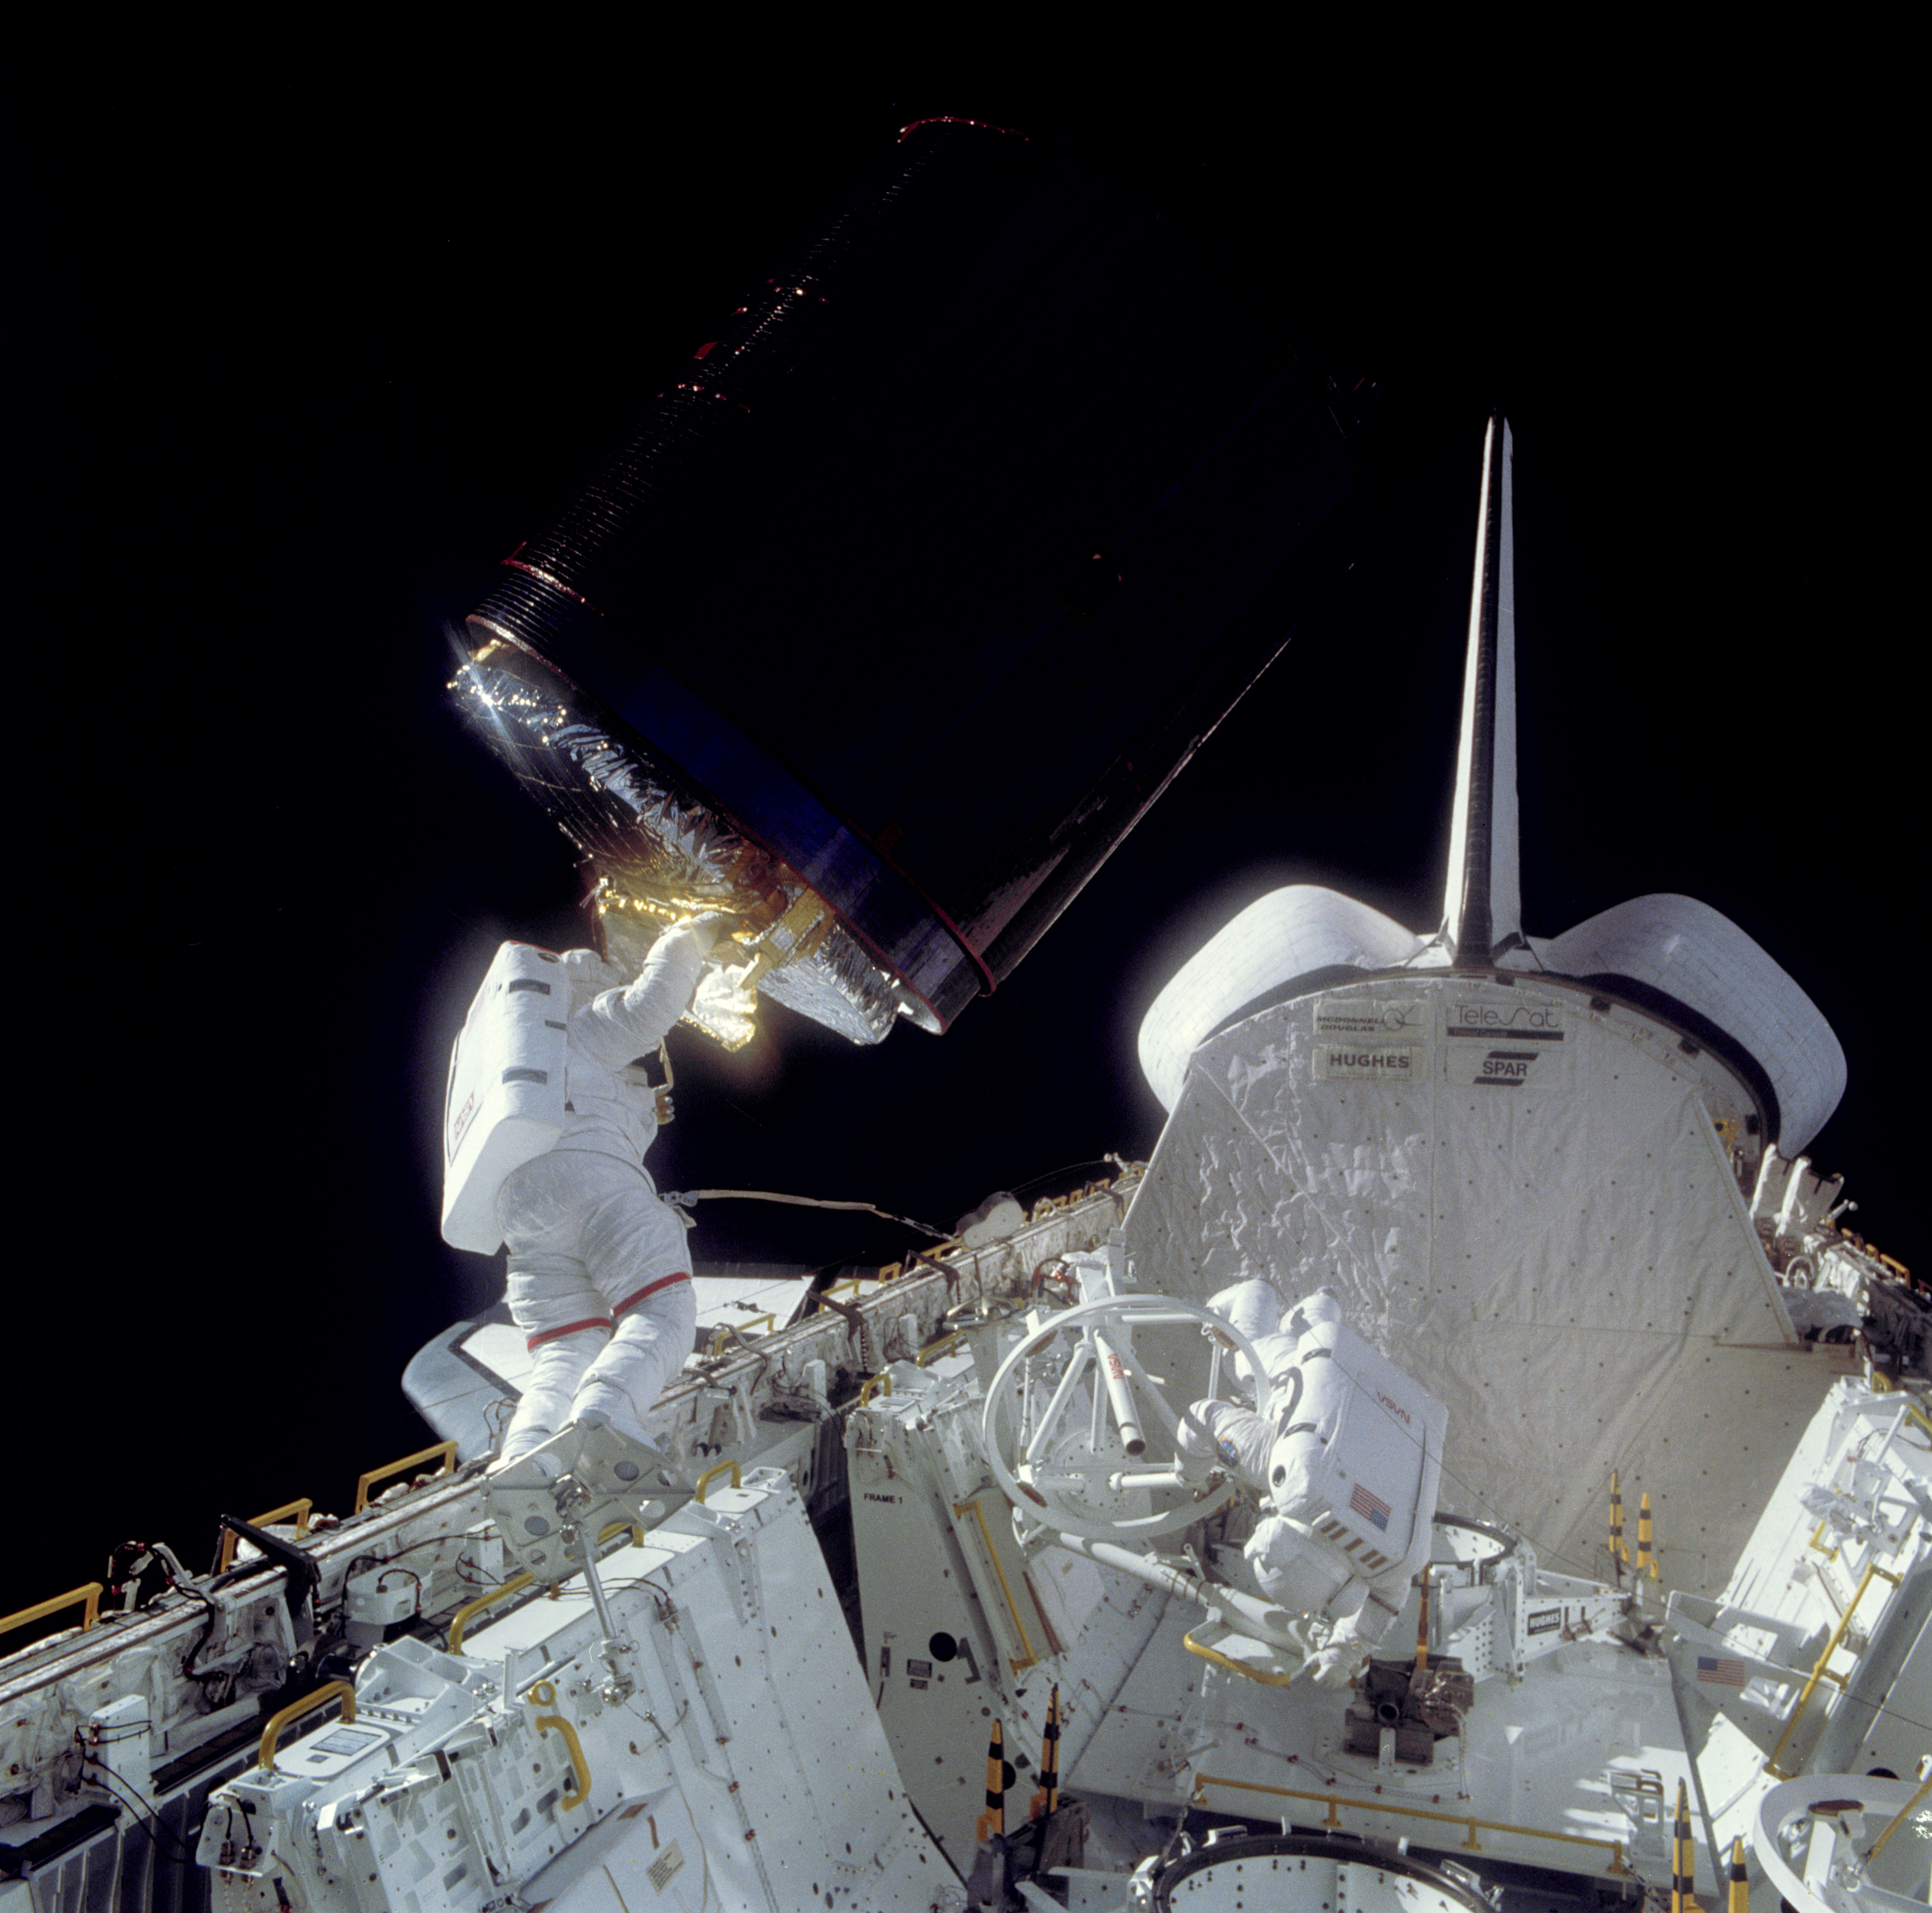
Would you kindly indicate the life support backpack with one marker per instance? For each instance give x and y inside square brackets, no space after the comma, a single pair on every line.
[1358,1451]
[507,1088]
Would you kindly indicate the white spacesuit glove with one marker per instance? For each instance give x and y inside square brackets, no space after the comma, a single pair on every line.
[1335,1667]
[1196,1447]
[1219,1434]
[707,927]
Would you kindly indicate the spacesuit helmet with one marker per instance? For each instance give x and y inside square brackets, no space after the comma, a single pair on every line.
[1316,1311]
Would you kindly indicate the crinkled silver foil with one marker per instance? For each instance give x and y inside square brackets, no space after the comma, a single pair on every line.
[839,986]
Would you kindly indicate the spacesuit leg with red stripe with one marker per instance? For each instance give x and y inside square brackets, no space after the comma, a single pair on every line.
[565,1321]
[590,1240]
[634,1246]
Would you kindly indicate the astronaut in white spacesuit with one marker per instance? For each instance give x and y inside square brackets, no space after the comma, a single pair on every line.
[1281,1456]
[599,1276]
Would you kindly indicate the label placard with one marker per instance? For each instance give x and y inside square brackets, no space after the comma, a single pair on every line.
[1502,1045]
[1366,1017]
[1350,1062]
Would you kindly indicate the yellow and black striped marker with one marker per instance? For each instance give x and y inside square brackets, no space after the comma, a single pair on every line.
[1046,1796]
[1646,1563]
[1740,1897]
[1683,1860]
[994,1820]
[1619,1550]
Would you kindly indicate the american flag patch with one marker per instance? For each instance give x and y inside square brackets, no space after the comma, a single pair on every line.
[1362,1502]
[1721,1673]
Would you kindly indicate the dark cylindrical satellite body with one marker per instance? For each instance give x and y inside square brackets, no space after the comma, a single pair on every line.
[911,594]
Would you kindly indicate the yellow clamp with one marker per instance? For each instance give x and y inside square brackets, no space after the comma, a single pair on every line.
[89,1593]
[794,937]
[343,1690]
[446,1449]
[710,1474]
[543,1695]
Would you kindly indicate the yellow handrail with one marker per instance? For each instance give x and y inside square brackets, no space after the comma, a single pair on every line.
[464,1616]
[330,1690]
[1898,1820]
[945,1345]
[1820,1671]
[878,1383]
[230,1540]
[960,1510]
[710,1474]
[736,1332]
[543,1695]
[1233,1666]
[447,1449]
[1387,1803]
[88,1592]
[618,1527]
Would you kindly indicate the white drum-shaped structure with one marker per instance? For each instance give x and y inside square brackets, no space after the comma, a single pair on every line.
[1300,1873]
[1686,956]
[1304,931]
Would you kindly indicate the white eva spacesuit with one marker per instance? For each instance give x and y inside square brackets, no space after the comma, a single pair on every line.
[1347,1551]
[599,1277]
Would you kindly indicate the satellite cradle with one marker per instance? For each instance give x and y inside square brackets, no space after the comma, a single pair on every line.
[505,1102]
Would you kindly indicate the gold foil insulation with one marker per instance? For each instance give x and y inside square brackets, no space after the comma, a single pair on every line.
[658,852]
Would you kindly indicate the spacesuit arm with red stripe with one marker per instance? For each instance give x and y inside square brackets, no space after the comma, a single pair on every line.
[622,1024]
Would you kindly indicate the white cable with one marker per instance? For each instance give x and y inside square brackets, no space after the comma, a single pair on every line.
[803,1201]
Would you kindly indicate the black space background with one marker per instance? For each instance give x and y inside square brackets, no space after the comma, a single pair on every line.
[299,356]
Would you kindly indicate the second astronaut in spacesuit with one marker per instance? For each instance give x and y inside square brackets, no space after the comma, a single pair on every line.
[599,1278]
[1282,1456]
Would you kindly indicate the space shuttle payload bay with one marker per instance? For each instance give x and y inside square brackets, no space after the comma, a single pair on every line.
[1526,1164]
[1550,1180]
